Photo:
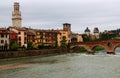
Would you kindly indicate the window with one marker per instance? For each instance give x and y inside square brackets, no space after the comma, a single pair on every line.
[2,41]
[25,33]
[64,37]
[16,37]
[38,33]
[19,38]
[25,38]
[41,33]
[25,42]
[19,43]
[19,33]
[2,35]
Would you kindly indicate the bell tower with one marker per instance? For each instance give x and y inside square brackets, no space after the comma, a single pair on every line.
[67,27]
[16,16]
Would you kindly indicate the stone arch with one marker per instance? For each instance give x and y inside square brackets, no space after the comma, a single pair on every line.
[98,45]
[115,46]
[92,48]
[84,46]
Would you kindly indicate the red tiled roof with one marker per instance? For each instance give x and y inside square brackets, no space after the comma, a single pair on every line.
[48,31]
[11,32]
[30,32]
[4,31]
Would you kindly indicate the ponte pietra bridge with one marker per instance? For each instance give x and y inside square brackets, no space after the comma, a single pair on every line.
[108,45]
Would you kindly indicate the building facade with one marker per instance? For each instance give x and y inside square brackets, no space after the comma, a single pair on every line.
[21,37]
[63,35]
[31,36]
[46,38]
[96,33]
[13,37]
[76,38]
[4,39]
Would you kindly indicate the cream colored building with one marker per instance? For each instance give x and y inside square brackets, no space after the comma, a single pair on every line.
[76,38]
[79,38]
[4,39]
[96,33]
[22,35]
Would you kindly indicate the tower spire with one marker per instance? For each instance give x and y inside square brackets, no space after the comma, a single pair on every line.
[16,16]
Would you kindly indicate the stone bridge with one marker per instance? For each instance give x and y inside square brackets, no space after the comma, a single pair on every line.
[109,45]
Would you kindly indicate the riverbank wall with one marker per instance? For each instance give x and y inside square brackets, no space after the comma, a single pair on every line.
[26,53]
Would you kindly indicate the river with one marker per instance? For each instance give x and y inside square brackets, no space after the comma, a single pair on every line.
[74,65]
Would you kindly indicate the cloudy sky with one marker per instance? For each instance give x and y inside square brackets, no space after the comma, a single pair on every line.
[49,14]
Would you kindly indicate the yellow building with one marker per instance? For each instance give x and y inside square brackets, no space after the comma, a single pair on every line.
[31,36]
[63,34]
[47,37]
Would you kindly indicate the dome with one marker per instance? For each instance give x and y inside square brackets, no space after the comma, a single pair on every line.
[87,30]
[96,30]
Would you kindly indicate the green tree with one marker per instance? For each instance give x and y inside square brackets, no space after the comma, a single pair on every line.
[63,42]
[86,38]
[29,45]
[13,46]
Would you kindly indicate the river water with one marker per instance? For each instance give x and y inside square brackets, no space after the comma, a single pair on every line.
[74,65]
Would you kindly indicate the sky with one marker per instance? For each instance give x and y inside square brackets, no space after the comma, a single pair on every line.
[51,14]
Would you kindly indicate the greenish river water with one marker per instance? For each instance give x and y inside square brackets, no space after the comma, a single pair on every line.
[63,66]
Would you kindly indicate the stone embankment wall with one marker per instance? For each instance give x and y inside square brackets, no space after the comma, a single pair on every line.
[25,53]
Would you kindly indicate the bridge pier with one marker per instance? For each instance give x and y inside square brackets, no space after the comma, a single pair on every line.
[91,52]
[111,53]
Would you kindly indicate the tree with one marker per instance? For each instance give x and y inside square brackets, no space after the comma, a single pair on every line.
[86,38]
[63,42]
[29,45]
[14,46]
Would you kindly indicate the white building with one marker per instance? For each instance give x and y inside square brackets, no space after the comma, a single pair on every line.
[4,39]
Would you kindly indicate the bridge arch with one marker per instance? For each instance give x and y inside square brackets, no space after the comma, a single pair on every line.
[84,46]
[115,47]
[98,45]
[98,48]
